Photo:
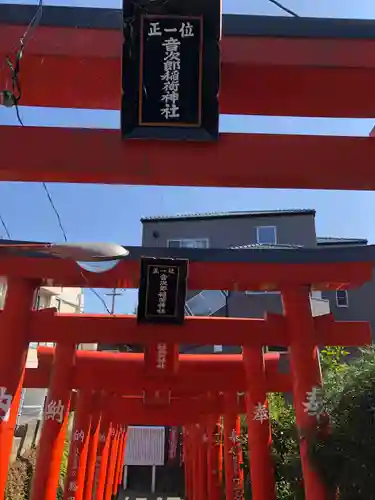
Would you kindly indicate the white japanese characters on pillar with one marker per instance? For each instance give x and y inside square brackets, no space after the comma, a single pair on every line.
[173,443]
[237,490]
[314,404]
[75,462]
[79,435]
[5,404]
[161,356]
[98,464]
[55,411]
[260,413]
[73,486]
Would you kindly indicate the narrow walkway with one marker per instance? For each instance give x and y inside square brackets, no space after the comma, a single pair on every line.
[138,495]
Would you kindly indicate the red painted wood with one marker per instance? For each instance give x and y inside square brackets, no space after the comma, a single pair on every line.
[260,75]
[101,156]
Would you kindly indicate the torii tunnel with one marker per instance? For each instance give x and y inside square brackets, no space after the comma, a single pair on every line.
[190,391]
[270,66]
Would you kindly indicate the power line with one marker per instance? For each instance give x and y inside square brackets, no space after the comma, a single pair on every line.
[59,220]
[55,210]
[11,97]
[285,9]
[5,227]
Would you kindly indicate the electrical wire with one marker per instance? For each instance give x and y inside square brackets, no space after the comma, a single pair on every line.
[11,98]
[26,37]
[59,220]
[5,227]
[285,9]
[55,210]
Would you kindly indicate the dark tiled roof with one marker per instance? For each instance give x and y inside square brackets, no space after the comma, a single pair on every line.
[259,246]
[234,214]
[328,240]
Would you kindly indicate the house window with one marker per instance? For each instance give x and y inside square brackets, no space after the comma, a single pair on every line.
[188,243]
[266,235]
[342,299]
[2,294]
[206,303]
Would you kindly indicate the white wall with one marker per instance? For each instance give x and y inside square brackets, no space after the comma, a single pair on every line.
[66,300]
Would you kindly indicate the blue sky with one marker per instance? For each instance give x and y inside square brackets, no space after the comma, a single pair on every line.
[112,213]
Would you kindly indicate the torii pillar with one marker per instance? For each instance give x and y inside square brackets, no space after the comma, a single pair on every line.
[306,376]
[56,416]
[13,353]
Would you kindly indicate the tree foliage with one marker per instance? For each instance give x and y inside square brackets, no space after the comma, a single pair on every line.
[285,444]
[285,449]
[345,460]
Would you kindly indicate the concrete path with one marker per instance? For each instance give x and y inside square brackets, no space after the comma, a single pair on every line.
[137,495]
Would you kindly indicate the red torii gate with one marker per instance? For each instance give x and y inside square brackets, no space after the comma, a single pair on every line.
[256,52]
[184,409]
[274,269]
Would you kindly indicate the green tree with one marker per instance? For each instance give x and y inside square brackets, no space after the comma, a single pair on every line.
[285,444]
[345,458]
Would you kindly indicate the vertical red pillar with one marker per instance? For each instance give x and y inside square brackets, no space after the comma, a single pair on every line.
[238,461]
[191,463]
[112,461]
[240,452]
[259,429]
[102,457]
[202,461]
[13,352]
[120,460]
[229,430]
[234,487]
[212,462]
[79,446]
[195,480]
[306,377]
[187,462]
[161,360]
[93,448]
[56,416]
[220,444]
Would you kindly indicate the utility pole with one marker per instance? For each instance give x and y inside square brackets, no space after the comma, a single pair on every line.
[113,294]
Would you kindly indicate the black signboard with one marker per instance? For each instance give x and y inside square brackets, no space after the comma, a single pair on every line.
[162,290]
[171,69]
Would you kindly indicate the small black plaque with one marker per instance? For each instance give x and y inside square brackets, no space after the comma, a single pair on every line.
[162,290]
